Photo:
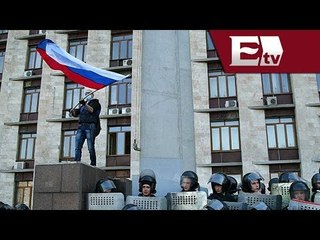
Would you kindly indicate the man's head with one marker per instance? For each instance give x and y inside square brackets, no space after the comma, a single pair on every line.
[189,181]
[251,182]
[147,182]
[220,183]
[300,191]
[89,93]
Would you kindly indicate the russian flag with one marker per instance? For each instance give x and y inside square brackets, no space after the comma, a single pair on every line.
[75,69]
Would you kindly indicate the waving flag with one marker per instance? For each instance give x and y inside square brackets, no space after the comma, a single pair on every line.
[74,69]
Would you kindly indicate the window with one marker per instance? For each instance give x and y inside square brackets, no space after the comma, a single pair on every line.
[120,92]
[222,85]
[225,135]
[74,92]
[3,34]
[211,50]
[277,169]
[210,45]
[23,192]
[27,142]
[119,140]
[35,60]
[121,46]
[69,139]
[78,49]
[281,132]
[275,83]
[69,130]
[2,53]
[31,100]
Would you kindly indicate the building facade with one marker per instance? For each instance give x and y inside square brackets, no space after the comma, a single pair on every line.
[179,111]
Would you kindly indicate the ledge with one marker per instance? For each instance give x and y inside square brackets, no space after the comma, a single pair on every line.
[276,162]
[214,59]
[216,110]
[313,104]
[220,164]
[20,123]
[115,168]
[66,31]
[3,40]
[276,106]
[25,78]
[17,170]
[118,68]
[114,116]
[317,160]
[57,74]
[62,119]
[33,36]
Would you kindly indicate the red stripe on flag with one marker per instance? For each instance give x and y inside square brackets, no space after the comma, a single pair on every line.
[71,75]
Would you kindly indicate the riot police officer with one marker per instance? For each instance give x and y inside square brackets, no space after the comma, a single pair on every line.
[299,190]
[220,184]
[147,183]
[189,181]
[105,186]
[315,181]
[251,183]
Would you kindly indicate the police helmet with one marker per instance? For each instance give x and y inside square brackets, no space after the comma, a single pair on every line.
[314,180]
[299,186]
[193,177]
[147,176]
[105,185]
[233,187]
[262,188]
[220,179]
[288,177]
[272,181]
[247,179]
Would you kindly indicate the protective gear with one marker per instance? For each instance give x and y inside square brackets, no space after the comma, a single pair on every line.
[272,181]
[247,179]
[216,205]
[233,188]
[193,177]
[299,186]
[260,206]
[314,180]
[131,206]
[219,179]
[288,177]
[105,186]
[147,176]
[82,101]
[21,206]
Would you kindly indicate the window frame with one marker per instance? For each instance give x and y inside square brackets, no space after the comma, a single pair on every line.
[270,80]
[125,143]
[294,133]
[229,134]
[83,42]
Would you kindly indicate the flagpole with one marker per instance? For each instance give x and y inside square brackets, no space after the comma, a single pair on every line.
[127,76]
